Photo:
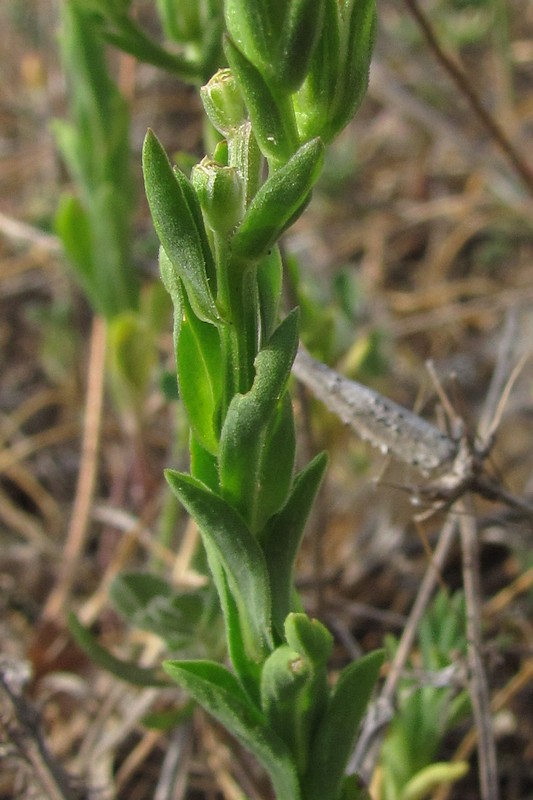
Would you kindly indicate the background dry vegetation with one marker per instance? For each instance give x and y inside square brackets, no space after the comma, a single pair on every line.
[418,245]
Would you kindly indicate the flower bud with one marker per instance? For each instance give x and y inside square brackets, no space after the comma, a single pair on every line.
[219,190]
[223,102]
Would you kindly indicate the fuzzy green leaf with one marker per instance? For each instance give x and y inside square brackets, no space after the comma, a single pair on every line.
[337,729]
[255,478]
[198,358]
[272,116]
[150,603]
[313,100]
[248,23]
[220,693]
[229,543]
[278,202]
[282,536]
[358,30]
[177,219]
[269,284]
[125,670]
[299,35]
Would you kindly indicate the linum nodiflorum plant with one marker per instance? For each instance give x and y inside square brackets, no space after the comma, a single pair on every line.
[297,72]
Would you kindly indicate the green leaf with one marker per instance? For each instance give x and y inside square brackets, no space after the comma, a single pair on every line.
[132,355]
[269,283]
[220,693]
[272,117]
[74,230]
[248,23]
[275,467]
[125,670]
[229,543]
[313,100]
[168,720]
[337,729]
[204,465]
[115,275]
[278,201]
[181,21]
[282,536]
[299,35]
[358,31]
[247,463]
[150,603]
[431,777]
[95,147]
[177,219]
[199,365]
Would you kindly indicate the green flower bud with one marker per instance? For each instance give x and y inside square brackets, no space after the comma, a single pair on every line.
[223,102]
[220,192]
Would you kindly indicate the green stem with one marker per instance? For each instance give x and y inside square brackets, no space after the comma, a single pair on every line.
[237,299]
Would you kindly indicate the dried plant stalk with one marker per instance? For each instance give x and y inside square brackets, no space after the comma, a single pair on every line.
[378,420]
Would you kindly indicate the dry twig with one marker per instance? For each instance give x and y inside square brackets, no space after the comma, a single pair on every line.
[458,76]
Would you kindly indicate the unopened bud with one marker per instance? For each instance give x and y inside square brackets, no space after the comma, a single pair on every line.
[219,190]
[223,102]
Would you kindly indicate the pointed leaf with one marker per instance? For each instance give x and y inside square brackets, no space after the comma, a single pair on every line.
[199,363]
[220,693]
[299,35]
[337,729]
[283,535]
[245,459]
[272,117]
[278,201]
[358,29]
[228,540]
[125,670]
[177,220]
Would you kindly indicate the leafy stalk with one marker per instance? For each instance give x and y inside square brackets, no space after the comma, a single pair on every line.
[222,267]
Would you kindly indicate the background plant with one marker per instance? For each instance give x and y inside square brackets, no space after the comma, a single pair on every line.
[425,713]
